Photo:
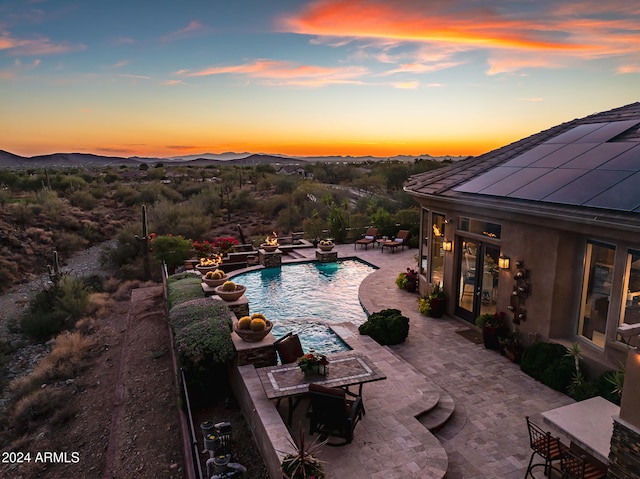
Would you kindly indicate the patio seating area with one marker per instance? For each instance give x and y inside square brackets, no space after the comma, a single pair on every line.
[448,406]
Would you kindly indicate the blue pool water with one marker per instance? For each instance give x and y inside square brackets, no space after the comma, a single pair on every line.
[303,297]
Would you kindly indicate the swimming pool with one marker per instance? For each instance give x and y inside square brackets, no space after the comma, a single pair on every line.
[303,297]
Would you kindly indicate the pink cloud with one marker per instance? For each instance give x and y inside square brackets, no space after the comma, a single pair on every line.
[192,27]
[38,46]
[287,72]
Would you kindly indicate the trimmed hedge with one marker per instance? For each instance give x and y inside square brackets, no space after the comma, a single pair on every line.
[388,326]
[183,287]
[549,364]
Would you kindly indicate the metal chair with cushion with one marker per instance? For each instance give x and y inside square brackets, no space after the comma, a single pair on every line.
[578,467]
[544,445]
[289,348]
[332,414]
[368,238]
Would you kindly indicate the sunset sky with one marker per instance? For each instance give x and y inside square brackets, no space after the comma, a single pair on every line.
[321,77]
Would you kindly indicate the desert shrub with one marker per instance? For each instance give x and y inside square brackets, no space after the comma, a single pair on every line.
[549,364]
[55,308]
[83,199]
[183,287]
[243,201]
[388,326]
[64,361]
[186,219]
[49,202]
[314,227]
[67,242]
[126,249]
[5,354]
[36,406]
[153,192]
[8,271]
[125,194]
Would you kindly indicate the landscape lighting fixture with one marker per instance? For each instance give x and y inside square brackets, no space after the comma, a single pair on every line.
[447,245]
[503,262]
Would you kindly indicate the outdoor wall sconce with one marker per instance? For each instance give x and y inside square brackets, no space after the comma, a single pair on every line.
[503,262]
[447,245]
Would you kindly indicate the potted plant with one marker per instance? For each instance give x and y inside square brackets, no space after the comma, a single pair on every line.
[437,301]
[511,345]
[493,328]
[230,291]
[407,280]
[326,245]
[313,363]
[302,464]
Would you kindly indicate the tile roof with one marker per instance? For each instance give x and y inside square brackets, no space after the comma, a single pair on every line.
[444,181]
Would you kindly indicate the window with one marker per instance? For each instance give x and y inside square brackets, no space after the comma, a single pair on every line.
[484,228]
[437,255]
[630,313]
[596,292]
[424,246]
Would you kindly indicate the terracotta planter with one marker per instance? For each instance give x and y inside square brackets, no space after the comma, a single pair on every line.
[253,336]
[231,295]
[215,282]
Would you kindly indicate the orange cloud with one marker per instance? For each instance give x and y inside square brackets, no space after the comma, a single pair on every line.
[421,22]
[286,72]
[545,34]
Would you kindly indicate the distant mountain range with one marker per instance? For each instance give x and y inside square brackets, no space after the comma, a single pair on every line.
[10,160]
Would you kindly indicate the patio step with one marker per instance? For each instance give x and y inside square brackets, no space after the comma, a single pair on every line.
[436,418]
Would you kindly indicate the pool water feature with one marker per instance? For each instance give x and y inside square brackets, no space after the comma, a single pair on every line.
[304,297]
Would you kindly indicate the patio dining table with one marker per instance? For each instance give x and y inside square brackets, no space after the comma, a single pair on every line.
[345,369]
[588,424]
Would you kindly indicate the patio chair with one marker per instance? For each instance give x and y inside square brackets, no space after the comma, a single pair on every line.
[578,467]
[544,445]
[289,348]
[368,238]
[332,414]
[400,240]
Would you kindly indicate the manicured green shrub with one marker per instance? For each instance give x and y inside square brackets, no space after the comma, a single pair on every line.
[183,287]
[202,340]
[388,326]
[549,364]
[172,250]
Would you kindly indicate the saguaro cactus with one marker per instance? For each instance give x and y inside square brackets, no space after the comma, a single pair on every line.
[54,269]
[145,240]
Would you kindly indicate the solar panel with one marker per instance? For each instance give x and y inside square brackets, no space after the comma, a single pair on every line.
[629,160]
[532,155]
[586,186]
[481,182]
[599,155]
[575,133]
[624,195]
[547,184]
[608,132]
[515,181]
[579,167]
[563,155]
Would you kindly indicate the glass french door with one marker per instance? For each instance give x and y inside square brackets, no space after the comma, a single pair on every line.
[477,278]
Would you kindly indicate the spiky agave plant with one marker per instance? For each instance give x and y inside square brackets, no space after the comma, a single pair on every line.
[302,464]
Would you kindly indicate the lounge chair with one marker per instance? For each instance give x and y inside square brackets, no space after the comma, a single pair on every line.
[400,240]
[332,414]
[368,238]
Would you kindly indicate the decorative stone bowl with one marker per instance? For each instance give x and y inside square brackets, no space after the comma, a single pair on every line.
[230,295]
[215,282]
[269,248]
[253,336]
[326,247]
[205,269]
